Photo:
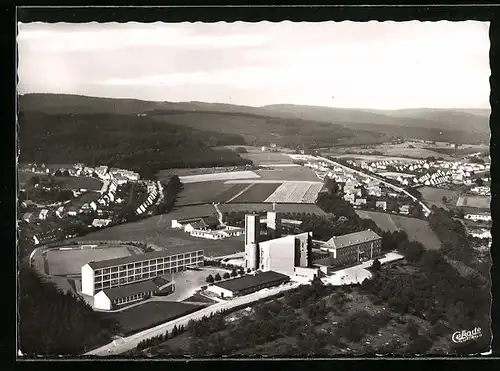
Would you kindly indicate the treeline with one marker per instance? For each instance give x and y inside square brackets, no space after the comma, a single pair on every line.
[171,189]
[455,242]
[52,323]
[137,143]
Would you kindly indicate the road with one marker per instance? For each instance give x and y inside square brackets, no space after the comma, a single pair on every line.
[122,345]
[424,206]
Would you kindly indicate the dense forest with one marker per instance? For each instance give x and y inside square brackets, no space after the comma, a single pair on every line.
[52,323]
[133,142]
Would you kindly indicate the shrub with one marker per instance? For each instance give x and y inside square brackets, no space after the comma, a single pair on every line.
[217,277]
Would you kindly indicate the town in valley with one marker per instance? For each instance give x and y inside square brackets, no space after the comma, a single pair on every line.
[191,229]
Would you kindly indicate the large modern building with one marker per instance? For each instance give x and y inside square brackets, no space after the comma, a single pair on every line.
[352,248]
[283,254]
[247,284]
[107,274]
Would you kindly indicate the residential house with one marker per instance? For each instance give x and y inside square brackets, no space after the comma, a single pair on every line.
[360,201]
[43,214]
[381,205]
[27,217]
[101,222]
[404,209]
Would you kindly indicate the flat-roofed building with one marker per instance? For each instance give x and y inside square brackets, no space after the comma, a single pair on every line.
[247,284]
[122,295]
[106,274]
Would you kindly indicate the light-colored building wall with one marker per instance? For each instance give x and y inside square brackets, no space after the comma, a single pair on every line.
[219,291]
[308,273]
[87,280]
[278,255]
[96,280]
[101,301]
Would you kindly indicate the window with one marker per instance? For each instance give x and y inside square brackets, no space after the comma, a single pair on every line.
[130,266]
[114,275]
[98,272]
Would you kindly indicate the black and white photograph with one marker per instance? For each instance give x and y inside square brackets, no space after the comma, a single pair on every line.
[247,190]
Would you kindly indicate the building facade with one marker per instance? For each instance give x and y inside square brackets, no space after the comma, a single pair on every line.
[354,247]
[252,234]
[106,274]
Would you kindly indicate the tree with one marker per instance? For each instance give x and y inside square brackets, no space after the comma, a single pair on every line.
[226,276]
[376,265]
[412,329]
[444,199]
[217,277]
[249,270]
[58,173]
[234,273]
[210,279]
[479,182]
[66,173]
[241,272]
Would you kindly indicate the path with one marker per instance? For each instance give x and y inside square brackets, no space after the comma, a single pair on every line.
[240,193]
[131,342]
[219,214]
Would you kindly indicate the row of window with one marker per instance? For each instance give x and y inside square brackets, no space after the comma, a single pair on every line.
[159,267]
[130,267]
[173,258]
[129,299]
[107,284]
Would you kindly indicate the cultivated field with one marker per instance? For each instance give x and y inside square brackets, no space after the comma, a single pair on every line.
[203,192]
[256,193]
[480,202]
[218,176]
[70,262]
[372,157]
[295,193]
[147,315]
[434,196]
[264,207]
[289,173]
[417,230]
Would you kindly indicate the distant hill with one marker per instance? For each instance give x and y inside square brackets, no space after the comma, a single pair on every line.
[369,126]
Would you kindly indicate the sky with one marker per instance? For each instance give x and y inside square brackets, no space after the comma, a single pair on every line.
[376,65]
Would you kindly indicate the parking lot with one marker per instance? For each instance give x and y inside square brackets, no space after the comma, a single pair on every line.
[188,282]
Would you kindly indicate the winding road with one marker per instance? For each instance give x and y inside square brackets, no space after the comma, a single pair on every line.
[402,190]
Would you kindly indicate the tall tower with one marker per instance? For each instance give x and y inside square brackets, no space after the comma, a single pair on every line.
[273,224]
[252,233]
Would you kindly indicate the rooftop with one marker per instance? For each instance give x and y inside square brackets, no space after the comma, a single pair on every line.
[250,281]
[132,259]
[350,239]
[132,289]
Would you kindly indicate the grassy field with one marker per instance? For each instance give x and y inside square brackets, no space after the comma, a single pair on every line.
[298,173]
[218,176]
[262,207]
[157,230]
[417,230]
[267,158]
[147,315]
[64,262]
[205,192]
[434,196]
[257,193]
[164,174]
[480,202]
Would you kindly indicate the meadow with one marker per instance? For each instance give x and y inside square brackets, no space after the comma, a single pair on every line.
[147,315]
[267,158]
[289,173]
[264,207]
[434,196]
[218,176]
[478,202]
[417,229]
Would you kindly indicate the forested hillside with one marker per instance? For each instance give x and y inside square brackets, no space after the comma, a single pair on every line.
[133,142]
[52,323]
